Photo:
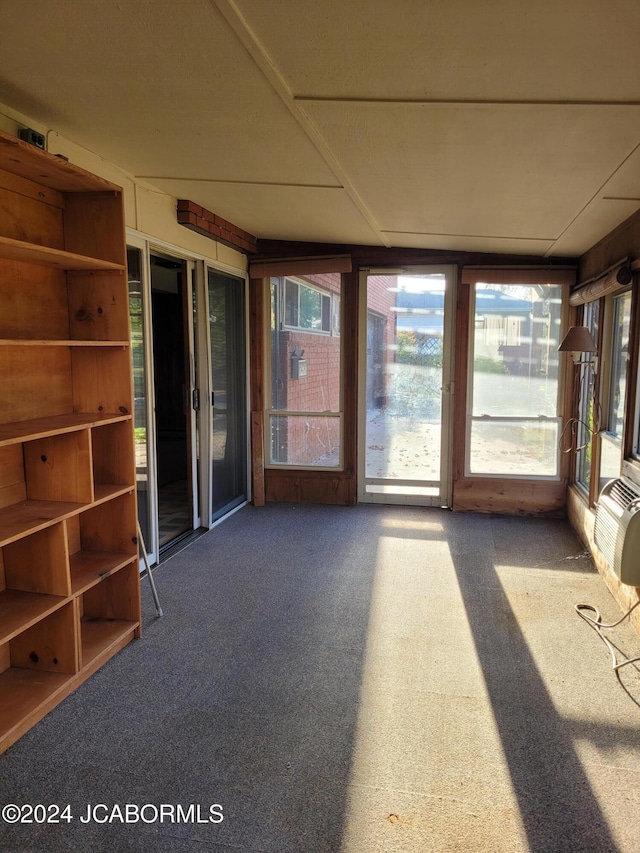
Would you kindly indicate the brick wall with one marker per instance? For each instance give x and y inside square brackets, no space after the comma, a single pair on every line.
[312,440]
[381,298]
[315,440]
[203,221]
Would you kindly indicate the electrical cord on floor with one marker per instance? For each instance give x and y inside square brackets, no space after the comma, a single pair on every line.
[598,626]
[583,555]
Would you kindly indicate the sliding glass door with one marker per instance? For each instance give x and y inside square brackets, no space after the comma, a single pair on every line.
[227,333]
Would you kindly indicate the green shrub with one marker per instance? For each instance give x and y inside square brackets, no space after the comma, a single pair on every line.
[486,364]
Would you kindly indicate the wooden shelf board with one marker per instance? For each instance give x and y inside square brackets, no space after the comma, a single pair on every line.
[27,517]
[20,610]
[22,519]
[21,158]
[17,250]
[102,637]
[89,568]
[26,695]
[28,342]
[103,493]
[19,431]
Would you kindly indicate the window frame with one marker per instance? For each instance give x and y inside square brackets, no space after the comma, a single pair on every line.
[613,365]
[608,441]
[631,438]
[335,307]
[324,294]
[541,419]
[590,392]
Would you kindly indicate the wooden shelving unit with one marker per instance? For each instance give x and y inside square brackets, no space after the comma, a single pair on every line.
[69,584]
[32,253]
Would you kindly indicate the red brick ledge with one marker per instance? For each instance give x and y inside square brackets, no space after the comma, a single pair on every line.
[202,221]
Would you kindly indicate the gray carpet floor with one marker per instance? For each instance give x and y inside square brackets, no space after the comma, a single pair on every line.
[356,680]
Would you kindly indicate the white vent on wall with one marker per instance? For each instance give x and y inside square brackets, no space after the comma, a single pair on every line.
[617,530]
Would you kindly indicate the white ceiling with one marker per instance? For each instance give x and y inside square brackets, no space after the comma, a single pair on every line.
[501,126]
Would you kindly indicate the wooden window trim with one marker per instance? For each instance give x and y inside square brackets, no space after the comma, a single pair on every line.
[631,404]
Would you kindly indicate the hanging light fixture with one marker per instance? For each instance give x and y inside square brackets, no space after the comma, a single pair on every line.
[578,341]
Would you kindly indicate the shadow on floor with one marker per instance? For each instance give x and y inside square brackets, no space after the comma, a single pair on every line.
[557,805]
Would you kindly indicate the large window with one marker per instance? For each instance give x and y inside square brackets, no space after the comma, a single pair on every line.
[635,444]
[513,428]
[612,435]
[588,407]
[619,355]
[304,413]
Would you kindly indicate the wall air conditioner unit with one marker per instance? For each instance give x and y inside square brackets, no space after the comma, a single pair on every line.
[617,529]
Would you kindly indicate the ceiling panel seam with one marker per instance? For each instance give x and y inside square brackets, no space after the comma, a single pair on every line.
[466,234]
[595,195]
[224,181]
[249,40]
[490,102]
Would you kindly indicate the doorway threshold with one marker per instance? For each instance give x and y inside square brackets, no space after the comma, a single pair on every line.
[176,545]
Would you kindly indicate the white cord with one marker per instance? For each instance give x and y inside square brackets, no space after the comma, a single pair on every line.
[598,626]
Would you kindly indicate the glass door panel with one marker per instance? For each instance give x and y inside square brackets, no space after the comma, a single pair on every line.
[406,399]
[228,397]
[138,344]
[171,371]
